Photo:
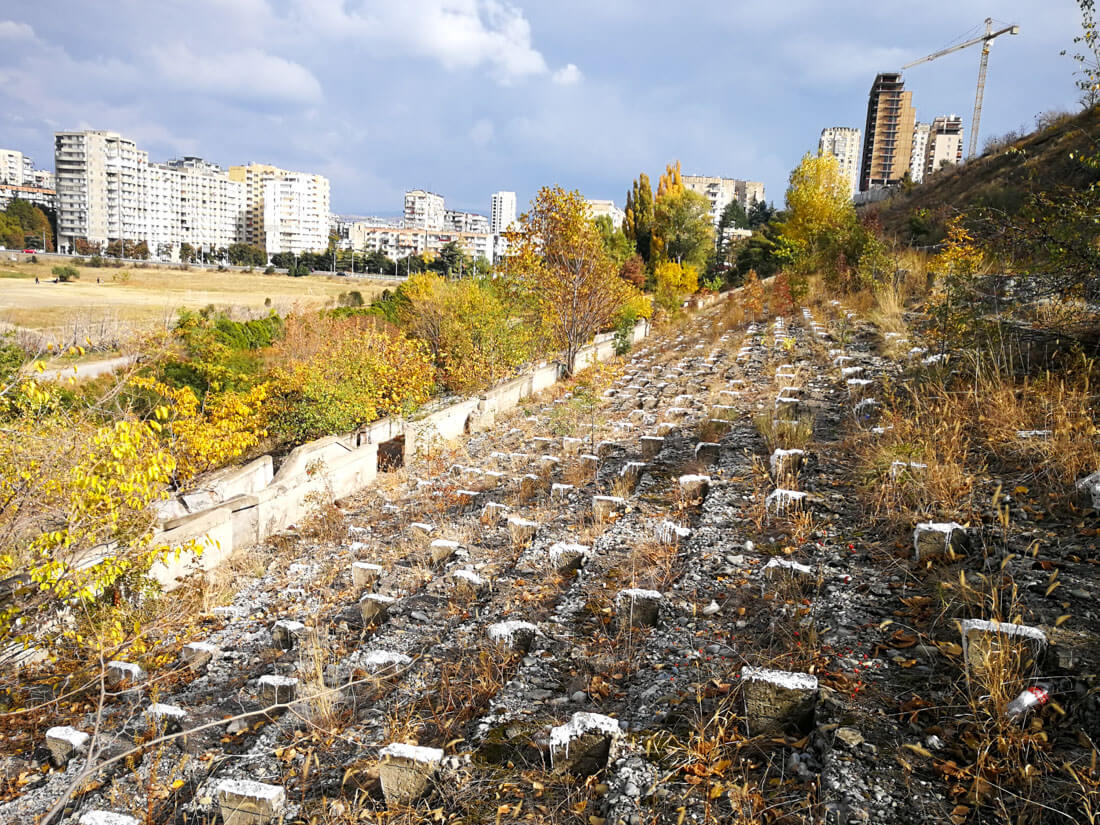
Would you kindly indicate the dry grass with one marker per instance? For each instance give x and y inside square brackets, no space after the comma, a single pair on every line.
[779,434]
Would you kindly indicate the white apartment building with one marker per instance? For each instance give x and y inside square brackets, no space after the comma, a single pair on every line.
[502,212]
[161,213]
[465,222]
[604,208]
[424,210]
[211,206]
[945,137]
[396,241]
[296,210]
[845,143]
[921,133]
[16,169]
[723,191]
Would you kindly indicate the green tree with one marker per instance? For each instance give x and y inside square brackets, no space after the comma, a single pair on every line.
[1088,58]
[619,247]
[638,225]
[452,261]
[682,230]
[66,273]
[242,254]
[759,214]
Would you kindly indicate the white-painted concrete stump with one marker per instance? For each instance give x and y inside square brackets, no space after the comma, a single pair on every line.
[785,570]
[786,462]
[631,473]
[466,584]
[374,607]
[64,743]
[603,507]
[565,557]
[638,608]
[123,674]
[364,574]
[694,486]
[937,538]
[197,655]
[288,633]
[521,530]
[384,663]
[106,818]
[903,469]
[777,701]
[442,549]
[514,635]
[669,532]
[585,744]
[168,718]
[245,802]
[1001,647]
[406,771]
[571,446]
[493,512]
[651,445]
[784,501]
[277,690]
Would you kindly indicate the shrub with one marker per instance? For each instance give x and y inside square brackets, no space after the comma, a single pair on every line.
[269,270]
[66,273]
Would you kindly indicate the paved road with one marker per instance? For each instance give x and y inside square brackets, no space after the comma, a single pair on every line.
[88,369]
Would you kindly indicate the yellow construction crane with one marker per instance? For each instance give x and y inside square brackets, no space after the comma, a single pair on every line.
[986,40]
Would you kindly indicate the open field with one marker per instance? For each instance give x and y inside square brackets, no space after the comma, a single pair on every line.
[137,298]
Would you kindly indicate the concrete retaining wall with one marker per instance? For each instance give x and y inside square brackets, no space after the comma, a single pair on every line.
[249,504]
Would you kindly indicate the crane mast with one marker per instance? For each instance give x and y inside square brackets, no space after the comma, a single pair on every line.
[986,40]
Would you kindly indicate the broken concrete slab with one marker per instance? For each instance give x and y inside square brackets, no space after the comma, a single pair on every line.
[778,701]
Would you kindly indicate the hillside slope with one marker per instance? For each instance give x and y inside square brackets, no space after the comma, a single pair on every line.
[1003,179]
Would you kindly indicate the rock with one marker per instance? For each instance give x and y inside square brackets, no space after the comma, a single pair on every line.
[108,818]
[406,772]
[849,736]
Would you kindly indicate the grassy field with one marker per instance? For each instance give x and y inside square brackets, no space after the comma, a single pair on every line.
[140,298]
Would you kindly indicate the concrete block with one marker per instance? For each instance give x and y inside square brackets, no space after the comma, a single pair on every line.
[565,557]
[442,549]
[406,771]
[708,452]
[1090,486]
[364,574]
[384,662]
[288,633]
[64,743]
[466,584]
[493,512]
[374,607]
[694,486]
[786,462]
[245,802]
[638,608]
[572,446]
[859,387]
[530,485]
[1015,645]
[851,372]
[651,445]
[560,492]
[668,532]
[106,818]
[604,506]
[777,701]
[788,407]
[168,718]
[631,473]
[123,674]
[197,655]
[277,690]
[782,501]
[606,448]
[585,744]
[515,635]
[901,469]
[779,569]
[935,538]
[520,530]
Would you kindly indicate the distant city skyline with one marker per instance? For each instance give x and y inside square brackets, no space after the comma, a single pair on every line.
[472,97]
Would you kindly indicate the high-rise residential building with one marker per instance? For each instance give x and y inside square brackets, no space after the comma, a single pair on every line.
[945,140]
[888,136]
[919,153]
[843,143]
[101,180]
[296,213]
[723,191]
[502,213]
[16,169]
[424,209]
[456,221]
[210,204]
[297,203]
[606,209]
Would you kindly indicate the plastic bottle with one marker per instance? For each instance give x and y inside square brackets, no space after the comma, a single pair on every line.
[1032,697]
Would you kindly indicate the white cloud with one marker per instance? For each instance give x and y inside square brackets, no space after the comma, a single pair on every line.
[249,74]
[10,30]
[568,75]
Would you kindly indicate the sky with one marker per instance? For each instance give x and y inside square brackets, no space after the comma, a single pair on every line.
[467,97]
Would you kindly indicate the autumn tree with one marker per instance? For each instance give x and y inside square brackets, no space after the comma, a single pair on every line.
[619,247]
[638,225]
[558,253]
[674,283]
[683,231]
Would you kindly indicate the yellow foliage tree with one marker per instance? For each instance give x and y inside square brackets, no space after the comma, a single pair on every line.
[559,255]
[208,435]
[675,282]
